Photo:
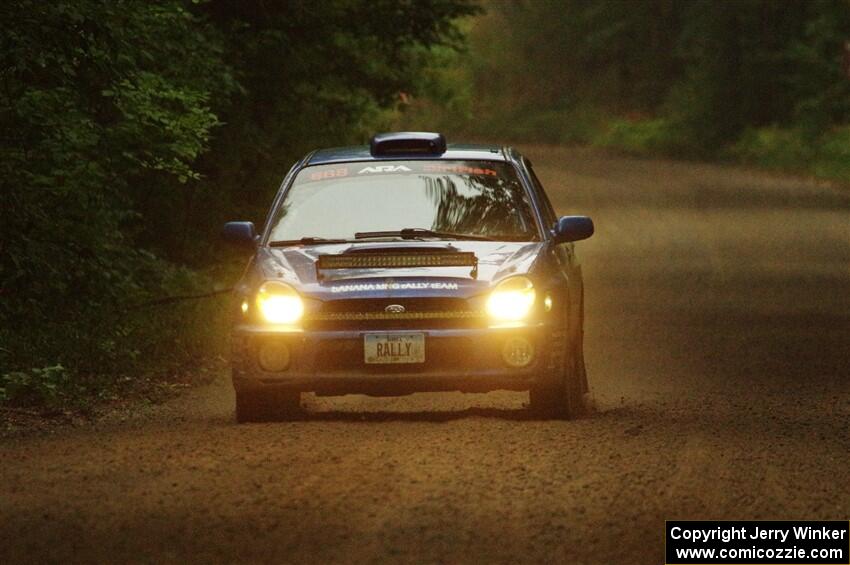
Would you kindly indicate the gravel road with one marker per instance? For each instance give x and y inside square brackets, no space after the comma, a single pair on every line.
[718,350]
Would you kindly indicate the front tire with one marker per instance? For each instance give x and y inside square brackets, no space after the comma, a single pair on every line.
[563,396]
[267,405]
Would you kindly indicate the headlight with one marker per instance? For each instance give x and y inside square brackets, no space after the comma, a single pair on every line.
[511,300]
[279,303]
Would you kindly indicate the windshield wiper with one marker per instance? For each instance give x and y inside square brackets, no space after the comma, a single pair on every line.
[306,241]
[413,233]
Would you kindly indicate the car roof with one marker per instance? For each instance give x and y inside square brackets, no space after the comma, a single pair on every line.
[454,151]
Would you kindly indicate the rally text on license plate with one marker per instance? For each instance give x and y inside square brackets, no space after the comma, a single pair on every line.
[394,348]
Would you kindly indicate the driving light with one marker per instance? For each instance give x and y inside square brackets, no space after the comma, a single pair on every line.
[511,300]
[517,352]
[279,303]
[274,357]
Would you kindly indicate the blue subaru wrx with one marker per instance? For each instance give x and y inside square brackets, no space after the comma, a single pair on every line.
[409,266]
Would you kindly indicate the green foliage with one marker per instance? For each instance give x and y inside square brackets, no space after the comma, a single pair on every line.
[551,126]
[562,55]
[318,74]
[104,99]
[833,156]
[827,156]
[40,387]
[761,80]
[775,148]
[820,83]
[641,136]
[134,128]
[444,95]
[151,106]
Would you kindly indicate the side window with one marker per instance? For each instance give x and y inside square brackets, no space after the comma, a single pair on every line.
[548,211]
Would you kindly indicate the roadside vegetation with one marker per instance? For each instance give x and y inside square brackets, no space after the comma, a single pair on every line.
[132,130]
[754,81]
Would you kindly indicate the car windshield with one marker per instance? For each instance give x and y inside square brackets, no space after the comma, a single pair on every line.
[345,201]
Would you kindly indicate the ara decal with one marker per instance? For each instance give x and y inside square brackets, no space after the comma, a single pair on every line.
[384,169]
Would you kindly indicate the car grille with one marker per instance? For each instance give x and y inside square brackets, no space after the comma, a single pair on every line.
[373,314]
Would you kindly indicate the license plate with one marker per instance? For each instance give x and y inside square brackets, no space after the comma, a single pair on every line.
[394,348]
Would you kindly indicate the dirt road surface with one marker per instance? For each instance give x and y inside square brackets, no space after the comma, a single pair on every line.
[718,348]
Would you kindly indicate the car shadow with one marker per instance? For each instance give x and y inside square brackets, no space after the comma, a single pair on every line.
[418,416]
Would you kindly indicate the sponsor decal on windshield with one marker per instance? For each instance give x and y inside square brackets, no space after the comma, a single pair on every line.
[331,172]
[366,287]
[384,169]
[322,174]
[457,169]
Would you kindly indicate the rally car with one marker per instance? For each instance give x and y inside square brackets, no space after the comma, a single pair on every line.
[405,266]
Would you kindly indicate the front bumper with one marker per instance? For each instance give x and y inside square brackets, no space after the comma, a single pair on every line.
[332,362]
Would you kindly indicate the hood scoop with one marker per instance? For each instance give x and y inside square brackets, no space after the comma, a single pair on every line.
[398,257]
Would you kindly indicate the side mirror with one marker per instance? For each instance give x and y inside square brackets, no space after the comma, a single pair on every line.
[240,233]
[573,228]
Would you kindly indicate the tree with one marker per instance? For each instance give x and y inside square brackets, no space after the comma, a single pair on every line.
[132,127]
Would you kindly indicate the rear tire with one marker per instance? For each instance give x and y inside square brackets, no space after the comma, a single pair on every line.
[267,405]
